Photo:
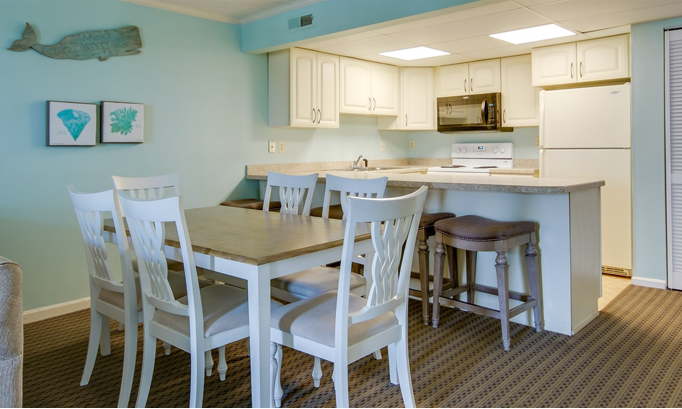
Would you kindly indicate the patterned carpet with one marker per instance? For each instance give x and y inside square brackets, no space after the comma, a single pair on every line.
[630,356]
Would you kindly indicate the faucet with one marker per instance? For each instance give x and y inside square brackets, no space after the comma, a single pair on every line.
[355,165]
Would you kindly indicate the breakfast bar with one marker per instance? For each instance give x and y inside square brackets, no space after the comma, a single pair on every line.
[567,215]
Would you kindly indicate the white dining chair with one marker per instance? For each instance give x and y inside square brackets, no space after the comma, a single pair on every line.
[295,192]
[362,325]
[207,318]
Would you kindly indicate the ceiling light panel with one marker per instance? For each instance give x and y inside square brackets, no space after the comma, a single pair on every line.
[532,34]
[415,53]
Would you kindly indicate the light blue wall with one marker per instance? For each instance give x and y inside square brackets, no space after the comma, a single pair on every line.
[205,117]
[436,145]
[648,148]
[332,16]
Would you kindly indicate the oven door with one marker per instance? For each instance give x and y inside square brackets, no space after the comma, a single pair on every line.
[469,113]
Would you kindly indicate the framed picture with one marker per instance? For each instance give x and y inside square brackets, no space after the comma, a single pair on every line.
[71,124]
[122,122]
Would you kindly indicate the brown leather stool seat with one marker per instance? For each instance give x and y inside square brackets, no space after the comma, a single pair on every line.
[254,204]
[474,234]
[335,212]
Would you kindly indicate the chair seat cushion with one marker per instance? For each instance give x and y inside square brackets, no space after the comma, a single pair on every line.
[176,279]
[335,212]
[315,281]
[314,319]
[476,228]
[254,204]
[429,219]
[225,308]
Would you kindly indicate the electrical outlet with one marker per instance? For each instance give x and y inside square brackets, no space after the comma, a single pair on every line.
[271,147]
[411,145]
[537,142]
[383,146]
[281,146]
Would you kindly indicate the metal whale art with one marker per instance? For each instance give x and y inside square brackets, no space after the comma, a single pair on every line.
[100,44]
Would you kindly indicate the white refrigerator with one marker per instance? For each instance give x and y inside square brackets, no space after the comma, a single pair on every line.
[585,134]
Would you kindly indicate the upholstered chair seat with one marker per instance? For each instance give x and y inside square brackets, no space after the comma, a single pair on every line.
[477,228]
[315,281]
[254,204]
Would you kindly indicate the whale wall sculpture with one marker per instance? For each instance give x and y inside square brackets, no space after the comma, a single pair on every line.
[101,44]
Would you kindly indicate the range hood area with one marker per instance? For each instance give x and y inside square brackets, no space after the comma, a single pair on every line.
[470,113]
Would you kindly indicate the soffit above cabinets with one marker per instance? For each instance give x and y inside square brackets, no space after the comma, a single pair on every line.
[464,31]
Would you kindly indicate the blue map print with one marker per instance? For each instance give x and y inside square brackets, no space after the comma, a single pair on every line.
[74,121]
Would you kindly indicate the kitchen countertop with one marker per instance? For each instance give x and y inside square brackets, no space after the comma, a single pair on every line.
[410,176]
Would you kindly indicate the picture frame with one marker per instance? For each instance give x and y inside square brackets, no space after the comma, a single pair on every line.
[71,123]
[122,122]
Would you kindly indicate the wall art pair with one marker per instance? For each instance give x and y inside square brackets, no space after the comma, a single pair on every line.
[75,124]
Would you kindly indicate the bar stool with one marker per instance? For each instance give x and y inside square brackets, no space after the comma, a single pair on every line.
[473,234]
[254,204]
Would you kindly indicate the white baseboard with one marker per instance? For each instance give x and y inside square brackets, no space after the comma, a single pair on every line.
[585,322]
[649,282]
[56,310]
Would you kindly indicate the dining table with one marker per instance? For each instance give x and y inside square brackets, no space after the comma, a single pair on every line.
[258,246]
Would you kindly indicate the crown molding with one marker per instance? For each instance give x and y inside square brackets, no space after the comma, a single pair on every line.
[278,10]
[186,11]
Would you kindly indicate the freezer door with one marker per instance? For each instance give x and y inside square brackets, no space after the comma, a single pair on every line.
[612,166]
[596,117]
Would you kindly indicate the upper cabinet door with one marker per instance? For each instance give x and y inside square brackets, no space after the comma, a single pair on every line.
[603,58]
[356,86]
[385,89]
[303,88]
[520,99]
[554,65]
[327,91]
[453,80]
[484,76]
[418,101]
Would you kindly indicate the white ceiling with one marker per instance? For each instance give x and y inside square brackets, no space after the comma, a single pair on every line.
[229,11]
[464,31]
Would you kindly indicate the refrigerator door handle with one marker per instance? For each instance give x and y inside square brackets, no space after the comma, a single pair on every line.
[541,164]
[541,125]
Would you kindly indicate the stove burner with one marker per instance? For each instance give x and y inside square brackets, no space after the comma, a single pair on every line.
[485,167]
[452,166]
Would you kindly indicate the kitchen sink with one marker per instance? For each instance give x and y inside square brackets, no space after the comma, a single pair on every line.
[372,169]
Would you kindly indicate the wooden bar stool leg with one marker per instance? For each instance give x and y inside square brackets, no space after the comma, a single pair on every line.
[471,274]
[503,291]
[439,255]
[424,278]
[451,254]
[534,279]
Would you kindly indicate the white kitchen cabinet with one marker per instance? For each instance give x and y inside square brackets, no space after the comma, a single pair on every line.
[584,61]
[520,99]
[303,89]
[369,88]
[452,80]
[418,105]
[603,58]
[484,76]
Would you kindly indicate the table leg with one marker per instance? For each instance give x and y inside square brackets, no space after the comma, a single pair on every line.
[259,330]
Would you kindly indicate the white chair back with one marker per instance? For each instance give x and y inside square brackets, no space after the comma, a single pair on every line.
[293,191]
[146,220]
[150,187]
[91,209]
[393,224]
[371,188]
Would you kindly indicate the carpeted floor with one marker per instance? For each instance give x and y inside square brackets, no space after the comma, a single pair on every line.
[630,356]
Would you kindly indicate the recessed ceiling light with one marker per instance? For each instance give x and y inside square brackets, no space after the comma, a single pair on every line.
[528,35]
[415,53]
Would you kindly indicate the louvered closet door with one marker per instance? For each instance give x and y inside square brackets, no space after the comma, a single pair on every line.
[673,122]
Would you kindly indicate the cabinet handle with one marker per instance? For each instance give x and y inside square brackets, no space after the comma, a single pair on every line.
[405,119]
[581,69]
[370,104]
[319,114]
[571,70]
[315,115]
[465,85]
[504,116]
[471,84]
[375,104]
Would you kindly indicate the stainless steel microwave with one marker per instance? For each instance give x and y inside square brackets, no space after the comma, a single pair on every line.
[471,113]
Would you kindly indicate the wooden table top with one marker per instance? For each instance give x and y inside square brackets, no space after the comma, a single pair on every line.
[256,237]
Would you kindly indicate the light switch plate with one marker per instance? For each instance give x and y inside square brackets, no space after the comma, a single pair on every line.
[281,146]
[383,146]
[411,145]
[271,146]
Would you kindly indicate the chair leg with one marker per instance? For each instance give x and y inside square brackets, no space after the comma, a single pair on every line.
[93,345]
[502,269]
[377,355]
[148,357]
[196,389]
[166,348]
[274,375]
[451,254]
[423,251]
[438,259]
[393,365]
[278,380]
[317,372]
[341,384]
[208,363]
[105,338]
[121,326]
[129,355]
[534,279]
[471,275]
[404,373]
[222,363]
